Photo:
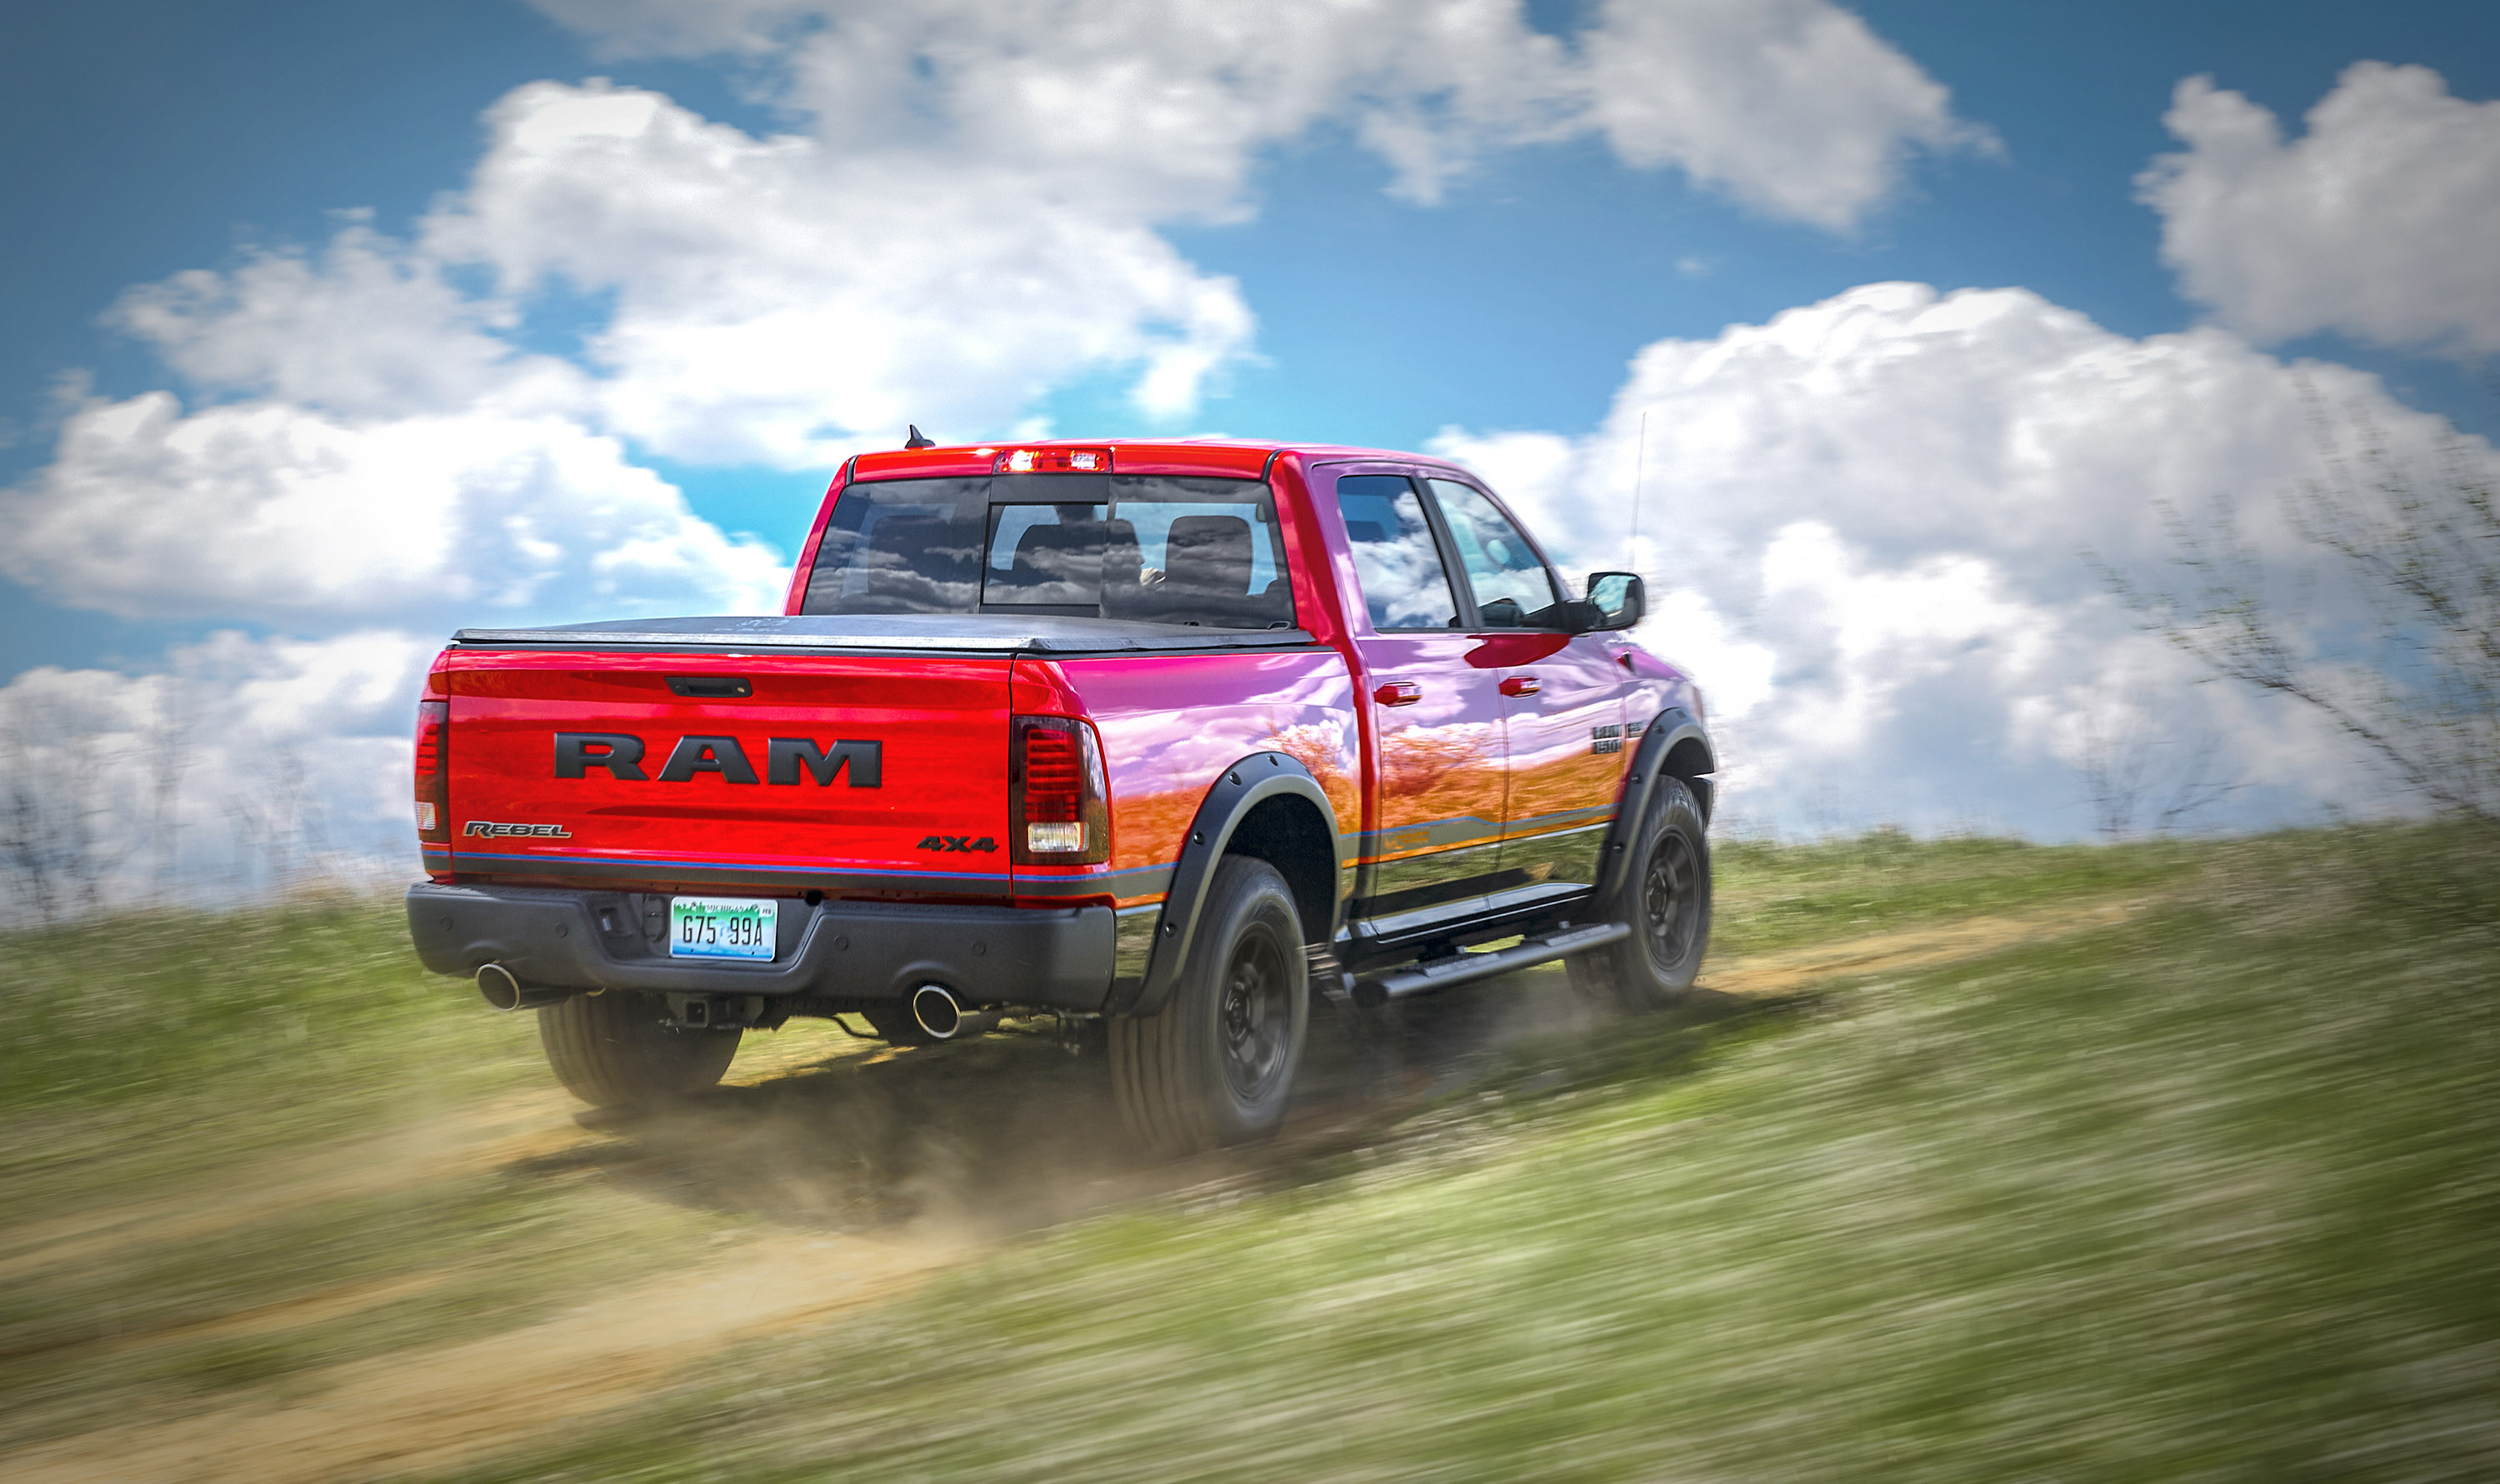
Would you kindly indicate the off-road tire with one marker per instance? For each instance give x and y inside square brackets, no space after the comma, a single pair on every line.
[1215,1066]
[613,1050]
[1665,896]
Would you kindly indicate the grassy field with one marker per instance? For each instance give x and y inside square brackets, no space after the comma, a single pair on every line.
[2210,1190]
[1775,896]
[2211,1196]
[142,1045]
[207,1118]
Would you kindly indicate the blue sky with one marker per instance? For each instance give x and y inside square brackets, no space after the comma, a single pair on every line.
[151,140]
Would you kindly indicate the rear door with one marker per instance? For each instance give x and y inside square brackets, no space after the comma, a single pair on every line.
[1435,845]
[1563,699]
[853,774]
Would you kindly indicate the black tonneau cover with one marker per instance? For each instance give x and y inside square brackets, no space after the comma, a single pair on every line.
[988,633]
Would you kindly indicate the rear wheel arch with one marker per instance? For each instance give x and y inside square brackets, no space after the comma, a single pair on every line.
[1290,833]
[1266,806]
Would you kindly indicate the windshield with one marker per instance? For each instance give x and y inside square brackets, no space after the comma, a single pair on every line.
[1156,548]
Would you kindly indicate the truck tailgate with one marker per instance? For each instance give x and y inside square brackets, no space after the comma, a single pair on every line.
[853,774]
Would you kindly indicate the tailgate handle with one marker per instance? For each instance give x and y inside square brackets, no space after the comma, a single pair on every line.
[709,687]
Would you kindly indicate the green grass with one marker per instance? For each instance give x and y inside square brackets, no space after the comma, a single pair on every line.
[295,1062]
[2213,1195]
[467,1254]
[159,1063]
[2210,1193]
[317,996]
[150,1046]
[1784,896]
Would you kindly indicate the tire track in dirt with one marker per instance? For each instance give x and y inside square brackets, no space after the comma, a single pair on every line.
[437,1407]
[1763,975]
[278,1316]
[502,1131]
[498,1133]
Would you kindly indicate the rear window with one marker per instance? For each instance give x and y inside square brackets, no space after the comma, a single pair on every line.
[1155,548]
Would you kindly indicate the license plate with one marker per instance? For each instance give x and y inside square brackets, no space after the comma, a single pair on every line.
[717,927]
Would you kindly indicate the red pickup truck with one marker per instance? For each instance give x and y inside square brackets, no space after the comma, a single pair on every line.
[1170,735]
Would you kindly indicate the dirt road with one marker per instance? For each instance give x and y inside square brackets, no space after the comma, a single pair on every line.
[830,1174]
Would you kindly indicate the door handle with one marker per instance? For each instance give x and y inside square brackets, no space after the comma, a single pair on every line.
[1520,686]
[1399,693]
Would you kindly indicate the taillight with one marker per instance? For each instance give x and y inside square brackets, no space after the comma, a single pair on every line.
[1054,461]
[433,771]
[1059,816]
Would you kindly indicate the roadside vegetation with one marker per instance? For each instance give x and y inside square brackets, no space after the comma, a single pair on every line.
[2207,1188]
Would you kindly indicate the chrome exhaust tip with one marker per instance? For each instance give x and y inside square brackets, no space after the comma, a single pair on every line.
[936,1011]
[504,990]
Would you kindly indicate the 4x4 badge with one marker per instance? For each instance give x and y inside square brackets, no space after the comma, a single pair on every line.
[958,843]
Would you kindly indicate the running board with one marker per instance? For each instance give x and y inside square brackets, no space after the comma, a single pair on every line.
[1468,967]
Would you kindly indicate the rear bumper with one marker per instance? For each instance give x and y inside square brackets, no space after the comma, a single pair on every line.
[1056,958]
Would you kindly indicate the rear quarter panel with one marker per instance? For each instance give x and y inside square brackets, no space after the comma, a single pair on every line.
[1171,724]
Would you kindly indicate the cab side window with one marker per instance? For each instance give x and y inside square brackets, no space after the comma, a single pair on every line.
[1512,587]
[1404,585]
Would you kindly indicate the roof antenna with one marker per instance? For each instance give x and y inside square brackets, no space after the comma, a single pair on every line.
[1640,466]
[919,440]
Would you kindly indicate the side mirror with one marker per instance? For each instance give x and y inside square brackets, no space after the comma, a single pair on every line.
[1618,599]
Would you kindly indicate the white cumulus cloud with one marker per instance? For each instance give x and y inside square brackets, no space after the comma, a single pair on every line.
[368,328]
[779,300]
[1792,106]
[1863,524]
[968,212]
[273,512]
[2381,222]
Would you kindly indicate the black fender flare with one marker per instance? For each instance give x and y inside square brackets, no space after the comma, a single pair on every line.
[1243,786]
[1670,727]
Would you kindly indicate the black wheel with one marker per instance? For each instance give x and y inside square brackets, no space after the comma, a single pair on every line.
[613,1050]
[1665,896]
[1216,1064]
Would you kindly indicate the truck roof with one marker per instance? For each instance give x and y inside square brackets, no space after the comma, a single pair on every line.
[1234,458]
